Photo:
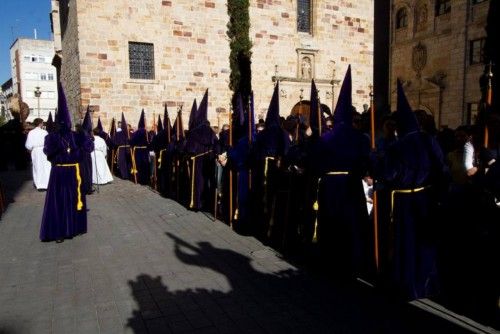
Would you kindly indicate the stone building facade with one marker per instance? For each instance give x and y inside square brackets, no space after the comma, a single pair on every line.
[183,45]
[437,51]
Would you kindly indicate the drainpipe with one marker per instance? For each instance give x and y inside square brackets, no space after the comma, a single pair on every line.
[466,48]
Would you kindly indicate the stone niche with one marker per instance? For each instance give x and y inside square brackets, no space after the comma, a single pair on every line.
[306,64]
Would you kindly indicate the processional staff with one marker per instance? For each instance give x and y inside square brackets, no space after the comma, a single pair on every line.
[489,100]
[230,170]
[301,96]
[375,196]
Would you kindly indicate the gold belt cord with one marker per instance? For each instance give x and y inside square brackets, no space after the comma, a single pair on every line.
[316,205]
[402,191]
[79,203]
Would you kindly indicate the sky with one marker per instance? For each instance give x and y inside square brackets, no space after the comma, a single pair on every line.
[19,18]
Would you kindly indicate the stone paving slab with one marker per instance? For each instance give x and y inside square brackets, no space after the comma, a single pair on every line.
[147,265]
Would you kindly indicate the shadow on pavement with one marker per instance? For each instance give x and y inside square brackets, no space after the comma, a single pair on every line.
[11,183]
[287,301]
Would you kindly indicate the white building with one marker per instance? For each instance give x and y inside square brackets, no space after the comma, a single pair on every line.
[33,76]
[5,94]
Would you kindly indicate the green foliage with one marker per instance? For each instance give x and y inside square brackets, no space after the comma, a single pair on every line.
[238,29]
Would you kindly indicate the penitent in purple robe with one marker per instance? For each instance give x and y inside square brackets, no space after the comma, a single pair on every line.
[85,141]
[65,212]
[413,170]
[199,146]
[123,158]
[140,158]
[163,151]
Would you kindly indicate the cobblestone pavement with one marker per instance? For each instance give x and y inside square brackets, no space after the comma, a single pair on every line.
[147,265]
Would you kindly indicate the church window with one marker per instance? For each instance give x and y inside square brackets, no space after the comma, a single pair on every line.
[476,52]
[443,7]
[141,60]
[401,18]
[304,15]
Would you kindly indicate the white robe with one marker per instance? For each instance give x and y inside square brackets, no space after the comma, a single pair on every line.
[100,170]
[41,166]
[369,196]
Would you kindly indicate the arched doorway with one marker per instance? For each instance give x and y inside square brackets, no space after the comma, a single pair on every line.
[303,108]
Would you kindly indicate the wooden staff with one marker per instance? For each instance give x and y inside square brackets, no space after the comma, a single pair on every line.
[177,123]
[489,100]
[167,122]
[300,114]
[250,137]
[319,114]
[111,135]
[193,175]
[113,161]
[230,170]
[375,197]
[132,151]
[155,167]
[177,162]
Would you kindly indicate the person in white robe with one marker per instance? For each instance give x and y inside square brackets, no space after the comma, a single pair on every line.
[100,170]
[41,166]
[368,189]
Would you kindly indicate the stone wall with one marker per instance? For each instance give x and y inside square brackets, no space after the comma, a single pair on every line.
[70,68]
[190,56]
[342,34]
[446,83]
[191,52]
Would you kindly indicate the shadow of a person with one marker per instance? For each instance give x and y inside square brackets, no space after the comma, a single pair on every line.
[268,301]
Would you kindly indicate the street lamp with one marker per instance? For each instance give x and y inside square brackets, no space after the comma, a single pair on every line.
[38,93]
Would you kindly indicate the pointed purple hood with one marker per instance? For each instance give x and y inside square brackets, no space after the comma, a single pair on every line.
[63,118]
[202,113]
[87,122]
[142,121]
[192,115]
[124,126]
[159,125]
[50,124]
[342,115]
[273,113]
[405,118]
[315,113]
[99,125]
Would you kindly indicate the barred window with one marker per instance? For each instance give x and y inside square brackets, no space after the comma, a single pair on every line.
[443,7]
[401,18]
[141,59]
[304,16]
[476,52]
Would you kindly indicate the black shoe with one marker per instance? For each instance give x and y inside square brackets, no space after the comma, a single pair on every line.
[58,241]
